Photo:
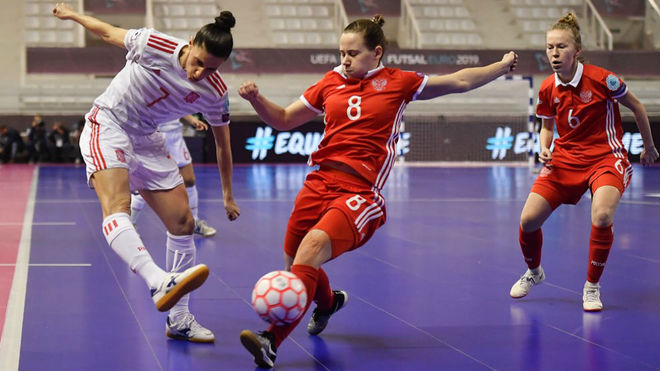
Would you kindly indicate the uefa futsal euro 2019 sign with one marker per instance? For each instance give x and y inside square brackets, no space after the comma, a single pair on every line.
[266,142]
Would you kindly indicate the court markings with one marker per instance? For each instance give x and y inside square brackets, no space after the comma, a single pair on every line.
[10,342]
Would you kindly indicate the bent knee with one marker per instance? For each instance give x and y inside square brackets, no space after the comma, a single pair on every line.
[185,225]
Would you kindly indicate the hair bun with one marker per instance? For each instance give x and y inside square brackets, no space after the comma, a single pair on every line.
[225,20]
[378,19]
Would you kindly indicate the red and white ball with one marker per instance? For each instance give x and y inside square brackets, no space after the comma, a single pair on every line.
[279,297]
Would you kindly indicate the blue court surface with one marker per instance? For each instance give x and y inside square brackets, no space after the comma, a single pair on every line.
[430,291]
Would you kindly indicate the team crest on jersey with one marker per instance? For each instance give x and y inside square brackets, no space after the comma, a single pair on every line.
[120,155]
[613,83]
[586,95]
[191,97]
[379,84]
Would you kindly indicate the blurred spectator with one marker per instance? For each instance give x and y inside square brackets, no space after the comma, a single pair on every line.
[12,148]
[59,144]
[76,130]
[37,145]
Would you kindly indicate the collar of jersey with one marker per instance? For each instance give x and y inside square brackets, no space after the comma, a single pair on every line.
[370,73]
[576,78]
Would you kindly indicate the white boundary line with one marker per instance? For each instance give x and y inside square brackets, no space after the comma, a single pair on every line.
[41,223]
[10,343]
[51,265]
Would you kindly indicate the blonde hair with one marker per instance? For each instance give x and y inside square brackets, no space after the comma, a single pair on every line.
[569,22]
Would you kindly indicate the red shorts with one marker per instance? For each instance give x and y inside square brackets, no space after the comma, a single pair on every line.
[566,185]
[344,206]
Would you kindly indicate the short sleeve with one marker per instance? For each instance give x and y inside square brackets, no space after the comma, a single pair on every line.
[615,85]
[544,107]
[219,116]
[313,97]
[413,84]
[135,42]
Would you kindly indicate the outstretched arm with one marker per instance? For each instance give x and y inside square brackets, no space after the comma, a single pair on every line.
[225,165]
[468,78]
[109,33]
[280,118]
[649,153]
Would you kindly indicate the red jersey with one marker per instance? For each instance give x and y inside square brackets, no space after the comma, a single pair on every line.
[586,114]
[362,118]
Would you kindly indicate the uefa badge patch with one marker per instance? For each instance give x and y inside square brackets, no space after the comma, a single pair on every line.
[613,83]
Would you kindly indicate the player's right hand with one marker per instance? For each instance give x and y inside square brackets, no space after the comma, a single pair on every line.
[248,90]
[511,59]
[63,11]
[545,156]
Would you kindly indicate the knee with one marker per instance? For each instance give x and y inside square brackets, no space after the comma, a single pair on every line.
[189,182]
[315,249]
[529,222]
[602,217]
[185,225]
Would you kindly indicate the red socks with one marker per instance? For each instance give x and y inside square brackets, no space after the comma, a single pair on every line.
[600,244]
[530,243]
[310,277]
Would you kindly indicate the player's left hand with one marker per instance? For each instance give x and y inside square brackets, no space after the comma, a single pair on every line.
[63,11]
[648,156]
[232,210]
[511,59]
[198,124]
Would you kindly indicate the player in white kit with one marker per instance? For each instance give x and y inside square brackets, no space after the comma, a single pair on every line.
[164,78]
[176,146]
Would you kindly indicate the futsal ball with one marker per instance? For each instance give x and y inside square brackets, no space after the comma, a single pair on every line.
[279,297]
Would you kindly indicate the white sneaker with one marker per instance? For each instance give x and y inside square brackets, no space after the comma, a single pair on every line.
[187,328]
[591,297]
[175,285]
[203,229]
[525,283]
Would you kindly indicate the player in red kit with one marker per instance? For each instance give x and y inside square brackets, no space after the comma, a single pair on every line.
[340,205]
[582,101]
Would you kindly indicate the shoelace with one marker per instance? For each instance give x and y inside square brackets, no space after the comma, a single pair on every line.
[592,295]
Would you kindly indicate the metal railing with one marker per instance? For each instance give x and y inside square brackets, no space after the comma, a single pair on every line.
[652,22]
[596,27]
[409,34]
[341,19]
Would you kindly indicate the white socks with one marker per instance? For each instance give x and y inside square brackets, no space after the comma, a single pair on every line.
[193,200]
[125,241]
[181,255]
[137,204]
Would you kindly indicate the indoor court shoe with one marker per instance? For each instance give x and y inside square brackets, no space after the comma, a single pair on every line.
[319,319]
[203,229]
[525,283]
[187,328]
[175,285]
[262,346]
[591,297]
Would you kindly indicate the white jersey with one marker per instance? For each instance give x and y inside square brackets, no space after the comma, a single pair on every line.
[153,88]
[174,125]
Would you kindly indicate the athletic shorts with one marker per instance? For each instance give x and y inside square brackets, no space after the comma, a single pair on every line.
[177,148]
[566,185]
[362,207]
[105,145]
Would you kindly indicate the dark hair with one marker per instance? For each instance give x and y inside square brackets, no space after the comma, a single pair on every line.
[216,37]
[371,29]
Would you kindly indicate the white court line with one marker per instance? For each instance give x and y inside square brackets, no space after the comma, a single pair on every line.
[10,343]
[51,265]
[40,223]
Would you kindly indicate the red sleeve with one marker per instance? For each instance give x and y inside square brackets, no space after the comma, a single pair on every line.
[544,107]
[413,83]
[313,96]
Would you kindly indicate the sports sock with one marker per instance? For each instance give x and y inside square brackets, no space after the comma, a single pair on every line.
[531,243]
[181,255]
[600,243]
[137,204]
[324,296]
[309,276]
[193,200]
[122,237]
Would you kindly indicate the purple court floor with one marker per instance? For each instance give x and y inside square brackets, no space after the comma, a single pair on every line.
[430,291]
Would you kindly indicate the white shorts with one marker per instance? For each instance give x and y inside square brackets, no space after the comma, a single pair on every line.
[105,145]
[177,148]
